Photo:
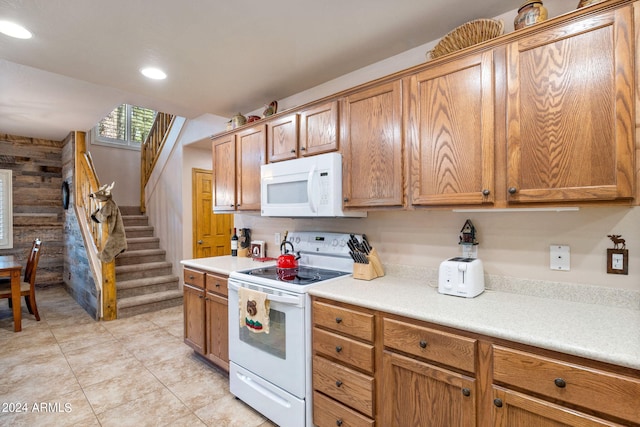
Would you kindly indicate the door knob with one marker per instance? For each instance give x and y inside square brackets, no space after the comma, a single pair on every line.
[200,242]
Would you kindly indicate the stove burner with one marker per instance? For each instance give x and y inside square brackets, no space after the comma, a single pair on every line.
[297,276]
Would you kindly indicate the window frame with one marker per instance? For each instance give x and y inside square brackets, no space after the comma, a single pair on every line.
[97,139]
[6,209]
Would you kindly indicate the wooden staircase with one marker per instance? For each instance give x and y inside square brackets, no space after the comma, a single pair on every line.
[144,279]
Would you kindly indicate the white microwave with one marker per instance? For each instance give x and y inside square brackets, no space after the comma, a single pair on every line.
[306,187]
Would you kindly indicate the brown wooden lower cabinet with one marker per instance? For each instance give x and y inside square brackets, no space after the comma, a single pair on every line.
[420,394]
[424,374]
[206,321]
[516,409]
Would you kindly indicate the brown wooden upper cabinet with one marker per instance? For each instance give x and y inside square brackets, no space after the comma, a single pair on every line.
[372,147]
[319,129]
[282,138]
[238,187]
[569,107]
[451,133]
[312,131]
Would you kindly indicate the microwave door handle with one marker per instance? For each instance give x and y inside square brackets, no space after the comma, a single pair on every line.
[310,184]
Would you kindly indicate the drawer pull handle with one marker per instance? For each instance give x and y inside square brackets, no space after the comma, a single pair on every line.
[559,382]
[338,383]
[217,285]
[423,344]
[466,392]
[338,319]
[497,402]
[338,422]
[338,348]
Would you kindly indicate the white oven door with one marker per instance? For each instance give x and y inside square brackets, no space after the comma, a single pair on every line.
[279,356]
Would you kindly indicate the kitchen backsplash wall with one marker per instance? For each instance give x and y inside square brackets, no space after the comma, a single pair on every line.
[511,244]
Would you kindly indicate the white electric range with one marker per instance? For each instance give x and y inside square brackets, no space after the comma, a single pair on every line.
[272,372]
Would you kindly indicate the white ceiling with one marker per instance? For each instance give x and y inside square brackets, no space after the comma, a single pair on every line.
[221,56]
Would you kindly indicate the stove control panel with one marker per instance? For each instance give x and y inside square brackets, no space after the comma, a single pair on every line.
[324,243]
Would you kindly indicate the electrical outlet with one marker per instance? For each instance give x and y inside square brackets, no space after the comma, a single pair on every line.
[277,239]
[560,257]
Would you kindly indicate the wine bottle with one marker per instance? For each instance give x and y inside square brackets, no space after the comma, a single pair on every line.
[234,243]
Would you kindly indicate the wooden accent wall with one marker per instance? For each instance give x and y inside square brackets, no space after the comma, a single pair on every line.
[37,206]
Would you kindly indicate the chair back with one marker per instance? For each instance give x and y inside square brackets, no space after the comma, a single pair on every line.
[32,262]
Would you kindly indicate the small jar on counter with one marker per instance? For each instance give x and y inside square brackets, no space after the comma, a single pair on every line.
[530,13]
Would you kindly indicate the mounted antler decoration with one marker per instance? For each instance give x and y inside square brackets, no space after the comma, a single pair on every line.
[109,213]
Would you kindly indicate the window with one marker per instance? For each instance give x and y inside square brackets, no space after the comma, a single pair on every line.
[6,210]
[126,126]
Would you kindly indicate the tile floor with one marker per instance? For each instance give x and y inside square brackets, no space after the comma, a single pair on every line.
[69,370]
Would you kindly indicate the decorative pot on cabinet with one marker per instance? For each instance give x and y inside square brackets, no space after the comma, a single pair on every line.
[530,13]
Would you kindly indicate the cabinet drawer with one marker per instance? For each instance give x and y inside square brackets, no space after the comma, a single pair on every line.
[343,384]
[217,284]
[194,278]
[442,347]
[344,320]
[344,349]
[329,413]
[605,392]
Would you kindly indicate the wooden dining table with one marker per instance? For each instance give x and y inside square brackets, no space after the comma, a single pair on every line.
[10,267]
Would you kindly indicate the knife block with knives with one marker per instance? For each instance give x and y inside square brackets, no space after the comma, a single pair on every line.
[366,263]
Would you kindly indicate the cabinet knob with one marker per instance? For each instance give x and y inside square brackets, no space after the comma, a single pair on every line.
[200,242]
[217,285]
[466,392]
[338,422]
[338,383]
[497,402]
[292,151]
[302,148]
[200,296]
[192,277]
[338,348]
[486,192]
[512,190]
[338,319]
[346,199]
[423,344]
[231,205]
[559,382]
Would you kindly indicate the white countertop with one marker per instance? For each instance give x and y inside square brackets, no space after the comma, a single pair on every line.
[603,333]
[224,264]
[593,331]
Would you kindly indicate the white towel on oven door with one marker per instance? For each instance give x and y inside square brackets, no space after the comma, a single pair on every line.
[254,310]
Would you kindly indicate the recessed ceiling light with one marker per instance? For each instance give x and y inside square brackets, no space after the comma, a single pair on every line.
[12,29]
[154,73]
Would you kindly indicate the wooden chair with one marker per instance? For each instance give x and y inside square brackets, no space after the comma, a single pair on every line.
[27,286]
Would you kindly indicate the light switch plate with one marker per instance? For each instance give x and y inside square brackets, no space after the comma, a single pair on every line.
[560,257]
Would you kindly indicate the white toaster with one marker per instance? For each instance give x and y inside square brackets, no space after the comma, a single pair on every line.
[463,277]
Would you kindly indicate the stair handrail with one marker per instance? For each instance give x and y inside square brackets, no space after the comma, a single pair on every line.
[151,148]
[94,234]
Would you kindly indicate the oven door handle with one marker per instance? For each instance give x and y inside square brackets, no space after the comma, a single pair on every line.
[284,299]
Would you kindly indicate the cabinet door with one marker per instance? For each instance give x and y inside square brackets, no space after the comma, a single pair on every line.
[194,334]
[224,173]
[569,112]
[425,395]
[282,138]
[217,330]
[251,148]
[451,122]
[319,129]
[372,147]
[515,409]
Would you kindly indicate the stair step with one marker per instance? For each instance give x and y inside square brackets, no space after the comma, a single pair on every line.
[147,303]
[141,243]
[141,271]
[142,256]
[130,210]
[139,231]
[135,220]
[136,287]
